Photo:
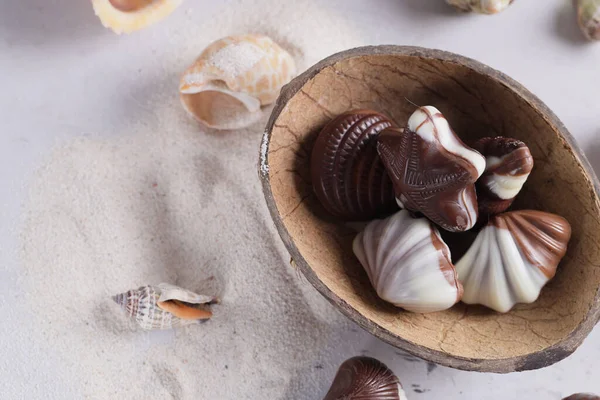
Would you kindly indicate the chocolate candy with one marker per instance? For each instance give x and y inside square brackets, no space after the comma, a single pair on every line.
[433,171]
[508,165]
[365,378]
[347,174]
[513,257]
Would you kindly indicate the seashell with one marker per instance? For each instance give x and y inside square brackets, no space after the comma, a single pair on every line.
[481,6]
[347,174]
[126,16]
[583,396]
[233,77]
[433,171]
[164,306]
[508,165]
[408,263]
[365,378]
[512,258]
[588,17]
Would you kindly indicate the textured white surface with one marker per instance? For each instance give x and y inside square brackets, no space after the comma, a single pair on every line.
[65,76]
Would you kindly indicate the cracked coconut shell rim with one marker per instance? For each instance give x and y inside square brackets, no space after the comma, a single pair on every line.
[478,101]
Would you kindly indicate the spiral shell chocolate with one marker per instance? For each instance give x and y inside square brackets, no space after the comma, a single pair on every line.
[512,258]
[508,165]
[164,306]
[408,264]
[126,16]
[365,378]
[233,77]
[347,174]
[433,171]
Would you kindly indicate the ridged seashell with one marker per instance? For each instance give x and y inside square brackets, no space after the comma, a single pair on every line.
[365,378]
[508,165]
[233,77]
[126,16]
[583,396]
[512,258]
[588,16]
[164,306]
[481,6]
[408,263]
[433,171]
[347,174]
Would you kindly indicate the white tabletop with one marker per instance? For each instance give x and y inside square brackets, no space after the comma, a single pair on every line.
[64,75]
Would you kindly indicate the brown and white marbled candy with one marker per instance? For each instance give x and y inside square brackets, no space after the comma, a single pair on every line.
[508,165]
[512,258]
[433,171]
[583,396]
[365,378]
[408,264]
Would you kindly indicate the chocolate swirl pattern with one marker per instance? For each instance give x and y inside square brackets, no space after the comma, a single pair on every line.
[408,263]
[433,171]
[512,258]
[364,378]
[508,165]
[347,174]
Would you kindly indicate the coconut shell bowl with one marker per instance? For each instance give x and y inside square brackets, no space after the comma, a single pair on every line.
[478,101]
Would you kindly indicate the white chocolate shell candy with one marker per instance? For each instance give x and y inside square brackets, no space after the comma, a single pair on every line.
[126,16]
[164,306]
[588,16]
[481,6]
[233,77]
[512,258]
[408,263]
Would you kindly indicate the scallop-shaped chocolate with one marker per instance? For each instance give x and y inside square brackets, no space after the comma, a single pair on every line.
[583,396]
[365,378]
[512,259]
[433,171]
[508,165]
[347,174]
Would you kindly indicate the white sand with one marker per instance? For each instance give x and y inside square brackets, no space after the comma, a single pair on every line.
[166,201]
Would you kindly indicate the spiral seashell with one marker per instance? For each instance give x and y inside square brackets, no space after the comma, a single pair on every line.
[583,396]
[408,264]
[481,6]
[512,258]
[365,378]
[508,165]
[347,174]
[164,306]
[233,77]
[433,171]
[126,16]
[588,17]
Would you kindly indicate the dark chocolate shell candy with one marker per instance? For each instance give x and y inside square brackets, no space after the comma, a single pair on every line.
[348,176]
[365,378]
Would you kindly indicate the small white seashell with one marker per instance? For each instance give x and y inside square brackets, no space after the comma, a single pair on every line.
[233,77]
[481,6]
[164,306]
[588,16]
[126,16]
[408,263]
[512,258]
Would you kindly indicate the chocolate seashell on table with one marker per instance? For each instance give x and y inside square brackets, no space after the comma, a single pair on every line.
[477,101]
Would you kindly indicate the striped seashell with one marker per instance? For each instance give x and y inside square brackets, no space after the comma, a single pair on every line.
[164,306]
[126,16]
[365,378]
[233,77]
[481,6]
